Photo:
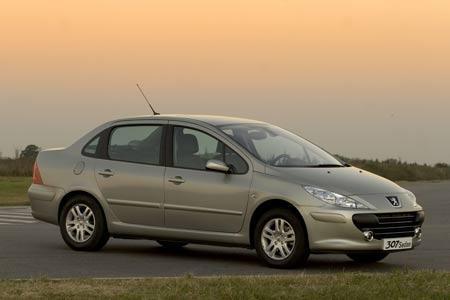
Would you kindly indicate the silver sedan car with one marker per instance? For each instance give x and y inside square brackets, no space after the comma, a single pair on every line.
[181,179]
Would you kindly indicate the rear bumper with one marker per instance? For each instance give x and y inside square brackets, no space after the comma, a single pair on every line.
[44,202]
[334,231]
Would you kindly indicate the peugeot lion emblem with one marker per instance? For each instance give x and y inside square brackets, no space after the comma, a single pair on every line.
[395,202]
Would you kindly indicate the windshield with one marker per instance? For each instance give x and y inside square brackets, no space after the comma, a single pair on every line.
[278,147]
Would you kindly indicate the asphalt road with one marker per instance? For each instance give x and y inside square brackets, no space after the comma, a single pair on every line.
[33,249]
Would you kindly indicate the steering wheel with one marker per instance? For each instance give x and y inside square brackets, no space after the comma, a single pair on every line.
[278,158]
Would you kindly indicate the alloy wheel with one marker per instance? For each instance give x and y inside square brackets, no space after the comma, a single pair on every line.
[80,223]
[278,239]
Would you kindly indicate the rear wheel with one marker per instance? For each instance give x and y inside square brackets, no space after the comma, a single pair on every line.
[368,257]
[172,244]
[280,239]
[82,224]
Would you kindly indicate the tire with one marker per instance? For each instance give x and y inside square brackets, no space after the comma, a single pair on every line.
[367,257]
[172,244]
[93,222]
[299,248]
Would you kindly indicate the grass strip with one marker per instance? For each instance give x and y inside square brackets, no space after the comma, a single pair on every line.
[397,285]
[13,190]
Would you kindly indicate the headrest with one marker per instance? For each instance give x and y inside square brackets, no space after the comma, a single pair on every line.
[188,144]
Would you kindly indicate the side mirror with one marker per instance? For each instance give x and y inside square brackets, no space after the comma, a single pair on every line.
[217,165]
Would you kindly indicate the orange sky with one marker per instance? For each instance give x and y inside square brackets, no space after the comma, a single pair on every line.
[361,78]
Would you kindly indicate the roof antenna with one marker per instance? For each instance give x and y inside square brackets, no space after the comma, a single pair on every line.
[148,102]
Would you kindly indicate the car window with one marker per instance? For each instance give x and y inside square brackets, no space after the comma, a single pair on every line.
[270,148]
[138,144]
[193,148]
[91,148]
[279,147]
[235,162]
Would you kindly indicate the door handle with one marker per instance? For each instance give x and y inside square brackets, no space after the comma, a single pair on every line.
[177,180]
[106,173]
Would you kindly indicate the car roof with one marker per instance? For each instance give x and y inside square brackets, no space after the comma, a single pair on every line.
[209,119]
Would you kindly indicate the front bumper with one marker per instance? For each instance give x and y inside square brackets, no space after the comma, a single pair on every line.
[334,231]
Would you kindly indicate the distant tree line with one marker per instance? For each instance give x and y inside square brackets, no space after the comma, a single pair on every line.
[22,164]
[397,170]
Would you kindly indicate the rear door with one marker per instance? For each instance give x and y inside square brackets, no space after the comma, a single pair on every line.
[200,199]
[132,177]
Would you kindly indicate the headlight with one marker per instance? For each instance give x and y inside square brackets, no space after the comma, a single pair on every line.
[333,198]
[412,197]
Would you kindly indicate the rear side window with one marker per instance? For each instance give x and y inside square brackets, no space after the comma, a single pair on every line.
[91,149]
[136,144]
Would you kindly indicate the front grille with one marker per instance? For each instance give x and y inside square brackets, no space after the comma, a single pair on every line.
[389,225]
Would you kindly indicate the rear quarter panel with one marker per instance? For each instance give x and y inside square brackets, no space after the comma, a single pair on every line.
[57,171]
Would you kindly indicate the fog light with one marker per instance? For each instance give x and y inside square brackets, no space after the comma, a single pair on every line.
[368,235]
[418,232]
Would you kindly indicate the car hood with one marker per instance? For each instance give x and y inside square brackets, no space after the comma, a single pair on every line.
[346,181]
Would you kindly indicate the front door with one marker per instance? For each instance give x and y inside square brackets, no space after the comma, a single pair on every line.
[132,178]
[200,199]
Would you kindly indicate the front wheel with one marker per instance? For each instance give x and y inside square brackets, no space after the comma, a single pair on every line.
[368,257]
[280,239]
[82,224]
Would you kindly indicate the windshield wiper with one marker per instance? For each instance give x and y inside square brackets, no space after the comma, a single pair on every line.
[328,166]
[313,166]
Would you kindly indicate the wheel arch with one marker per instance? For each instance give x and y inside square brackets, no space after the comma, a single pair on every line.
[74,193]
[268,205]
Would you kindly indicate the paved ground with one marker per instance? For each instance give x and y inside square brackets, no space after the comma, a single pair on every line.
[32,249]
[16,216]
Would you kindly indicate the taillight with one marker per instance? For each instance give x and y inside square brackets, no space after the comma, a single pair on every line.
[37,179]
